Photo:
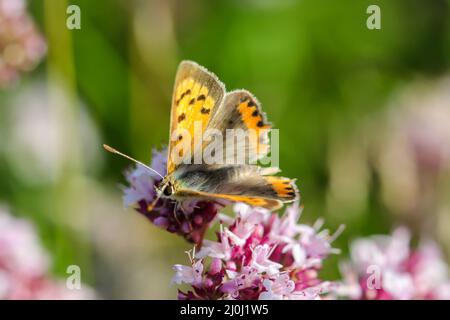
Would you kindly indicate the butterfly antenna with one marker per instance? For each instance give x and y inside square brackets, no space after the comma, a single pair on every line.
[112,150]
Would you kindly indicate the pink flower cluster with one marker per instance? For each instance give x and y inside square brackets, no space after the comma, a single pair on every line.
[259,255]
[21,44]
[386,268]
[190,220]
[24,265]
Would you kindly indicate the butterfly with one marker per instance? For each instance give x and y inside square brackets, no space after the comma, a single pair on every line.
[199,97]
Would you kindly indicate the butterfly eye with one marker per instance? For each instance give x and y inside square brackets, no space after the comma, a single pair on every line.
[168,191]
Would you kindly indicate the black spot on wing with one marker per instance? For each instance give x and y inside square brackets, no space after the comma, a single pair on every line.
[251,103]
[181,117]
[186,93]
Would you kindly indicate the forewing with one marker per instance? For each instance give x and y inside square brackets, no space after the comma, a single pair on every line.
[196,96]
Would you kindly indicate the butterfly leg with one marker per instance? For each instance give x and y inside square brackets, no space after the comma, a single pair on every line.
[174,212]
[179,206]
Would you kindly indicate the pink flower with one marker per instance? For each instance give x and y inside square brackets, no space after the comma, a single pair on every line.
[21,45]
[317,243]
[24,265]
[278,288]
[19,248]
[387,267]
[190,275]
[220,249]
[383,251]
[261,262]
[261,256]
[247,220]
[287,228]
[313,292]
[430,272]
[247,278]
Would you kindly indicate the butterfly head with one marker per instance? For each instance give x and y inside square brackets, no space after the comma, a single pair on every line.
[166,188]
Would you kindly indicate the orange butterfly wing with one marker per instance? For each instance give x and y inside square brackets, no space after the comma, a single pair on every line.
[241,111]
[200,97]
[196,96]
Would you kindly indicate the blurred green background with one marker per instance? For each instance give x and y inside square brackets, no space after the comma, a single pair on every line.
[344,97]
